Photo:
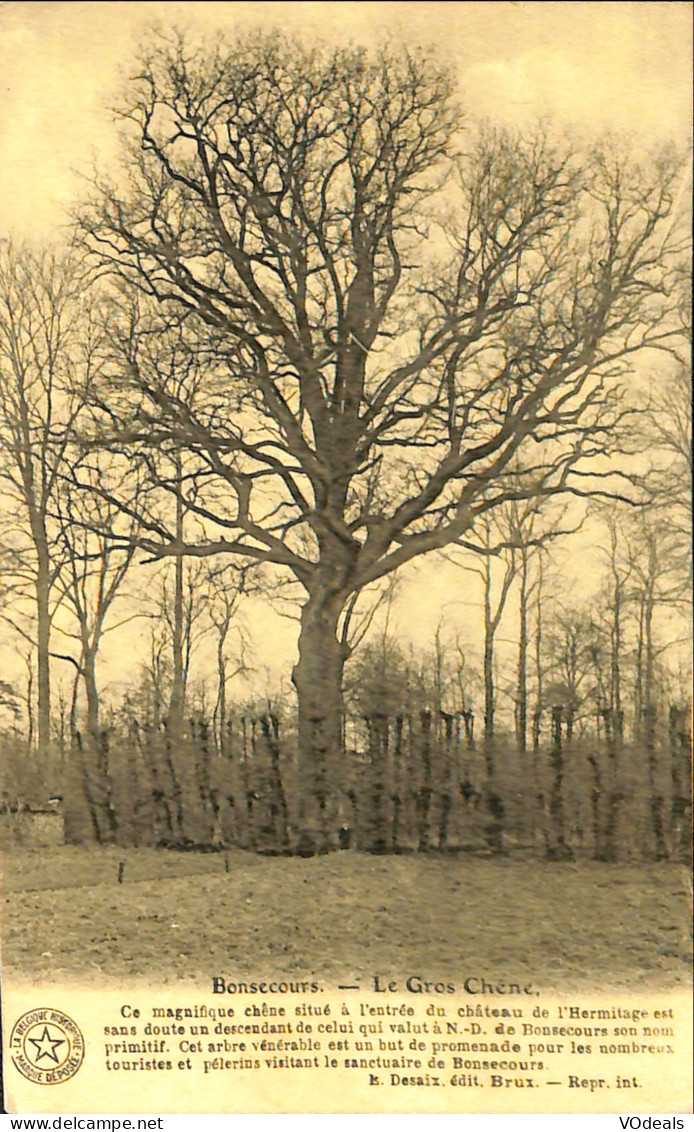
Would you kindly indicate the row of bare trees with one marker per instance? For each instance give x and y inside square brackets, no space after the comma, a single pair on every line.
[311,331]
[416,773]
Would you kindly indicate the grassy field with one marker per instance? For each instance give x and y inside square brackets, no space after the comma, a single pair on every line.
[178,916]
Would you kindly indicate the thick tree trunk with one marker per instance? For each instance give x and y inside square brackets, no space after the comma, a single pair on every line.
[648,675]
[396,794]
[522,686]
[616,669]
[494,803]
[376,840]
[558,849]
[177,700]
[489,690]
[447,759]
[220,709]
[91,690]
[96,749]
[269,739]
[87,788]
[680,771]
[638,678]
[30,702]
[423,801]
[73,705]
[43,634]
[537,713]
[317,677]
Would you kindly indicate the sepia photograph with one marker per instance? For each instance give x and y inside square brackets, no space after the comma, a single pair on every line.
[345,556]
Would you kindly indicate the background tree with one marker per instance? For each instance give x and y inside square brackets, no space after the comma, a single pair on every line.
[181,609]
[664,434]
[91,582]
[657,570]
[49,353]
[227,584]
[358,410]
[617,601]
[570,646]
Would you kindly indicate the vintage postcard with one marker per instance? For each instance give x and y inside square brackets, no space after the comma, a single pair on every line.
[345,489]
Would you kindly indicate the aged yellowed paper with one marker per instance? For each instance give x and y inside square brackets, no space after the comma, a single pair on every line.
[345,569]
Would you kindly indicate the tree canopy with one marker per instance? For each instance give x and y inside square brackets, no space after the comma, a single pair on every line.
[384,308]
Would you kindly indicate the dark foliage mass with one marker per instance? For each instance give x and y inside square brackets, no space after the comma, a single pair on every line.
[414,782]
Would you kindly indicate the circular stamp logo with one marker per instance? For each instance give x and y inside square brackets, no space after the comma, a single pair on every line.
[46,1046]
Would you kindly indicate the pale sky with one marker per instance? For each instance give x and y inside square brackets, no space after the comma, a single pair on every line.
[593,67]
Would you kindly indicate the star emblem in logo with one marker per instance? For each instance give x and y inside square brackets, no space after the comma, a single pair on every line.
[46,1046]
